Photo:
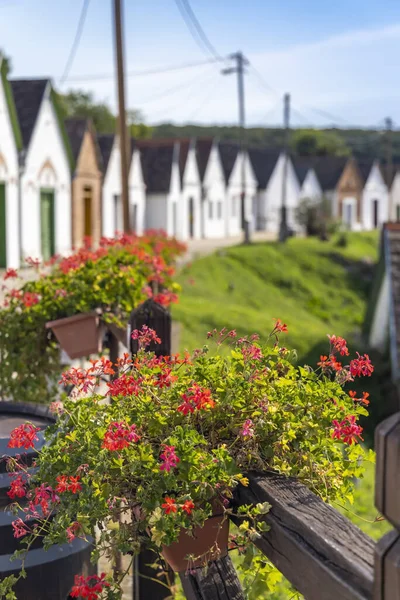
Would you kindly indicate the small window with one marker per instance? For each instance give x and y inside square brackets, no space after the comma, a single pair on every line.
[210,209]
[219,210]
[118,225]
[398,212]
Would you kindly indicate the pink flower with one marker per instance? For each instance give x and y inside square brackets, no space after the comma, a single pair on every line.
[20,528]
[145,336]
[247,430]
[252,352]
[72,530]
[339,344]
[120,435]
[169,458]
[361,366]
[347,430]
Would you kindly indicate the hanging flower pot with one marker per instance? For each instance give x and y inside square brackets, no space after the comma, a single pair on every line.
[205,544]
[79,335]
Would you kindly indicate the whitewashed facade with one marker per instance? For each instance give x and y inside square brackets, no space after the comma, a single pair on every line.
[112,193]
[269,205]
[9,179]
[395,198]
[310,187]
[190,201]
[234,195]
[46,174]
[163,197]
[375,200]
[214,196]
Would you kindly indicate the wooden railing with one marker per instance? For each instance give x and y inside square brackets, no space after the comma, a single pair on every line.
[316,548]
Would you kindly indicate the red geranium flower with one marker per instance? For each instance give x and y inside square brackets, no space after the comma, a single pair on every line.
[169,505]
[24,436]
[188,507]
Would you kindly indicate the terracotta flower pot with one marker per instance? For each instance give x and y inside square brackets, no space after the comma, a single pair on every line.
[210,542]
[79,335]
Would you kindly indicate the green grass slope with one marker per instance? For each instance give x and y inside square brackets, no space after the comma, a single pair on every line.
[315,287]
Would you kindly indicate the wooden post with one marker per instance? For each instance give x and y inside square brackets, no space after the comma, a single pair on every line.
[387,500]
[145,577]
[218,581]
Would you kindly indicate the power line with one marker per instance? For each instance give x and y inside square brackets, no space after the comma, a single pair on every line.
[327,115]
[156,71]
[170,91]
[195,28]
[205,101]
[76,41]
[263,83]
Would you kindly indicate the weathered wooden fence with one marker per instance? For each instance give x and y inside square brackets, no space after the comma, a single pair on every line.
[316,548]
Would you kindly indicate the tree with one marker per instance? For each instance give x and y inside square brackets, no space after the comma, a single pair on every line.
[311,142]
[7,60]
[82,104]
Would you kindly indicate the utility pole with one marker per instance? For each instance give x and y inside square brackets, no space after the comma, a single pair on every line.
[283,228]
[122,132]
[389,157]
[241,63]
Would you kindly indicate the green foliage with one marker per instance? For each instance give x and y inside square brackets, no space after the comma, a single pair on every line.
[315,142]
[111,279]
[82,104]
[218,417]
[316,216]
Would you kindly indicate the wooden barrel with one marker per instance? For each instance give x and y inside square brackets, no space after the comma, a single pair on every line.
[50,574]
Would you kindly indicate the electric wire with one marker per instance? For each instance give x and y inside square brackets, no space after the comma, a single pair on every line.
[76,42]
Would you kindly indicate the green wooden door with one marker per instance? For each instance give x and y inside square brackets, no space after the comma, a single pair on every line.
[3,229]
[47,223]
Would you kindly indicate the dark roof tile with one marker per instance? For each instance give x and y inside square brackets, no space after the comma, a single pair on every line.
[228,152]
[263,161]
[157,158]
[203,150]
[76,129]
[28,95]
[105,142]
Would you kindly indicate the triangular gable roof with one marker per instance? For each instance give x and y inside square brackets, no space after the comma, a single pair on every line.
[328,170]
[228,152]
[263,161]
[203,151]
[301,166]
[157,157]
[10,103]
[184,147]
[28,96]
[106,143]
[364,168]
[76,129]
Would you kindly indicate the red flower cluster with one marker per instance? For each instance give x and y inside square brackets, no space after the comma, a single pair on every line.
[89,587]
[169,459]
[10,274]
[363,400]
[170,506]
[347,430]
[20,528]
[33,262]
[119,435]
[251,352]
[80,378]
[17,488]
[361,366]
[30,299]
[126,385]
[330,363]
[166,298]
[68,483]
[280,327]
[145,336]
[338,344]
[72,530]
[197,398]
[24,436]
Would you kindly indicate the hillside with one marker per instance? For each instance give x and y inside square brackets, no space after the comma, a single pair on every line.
[315,287]
[364,143]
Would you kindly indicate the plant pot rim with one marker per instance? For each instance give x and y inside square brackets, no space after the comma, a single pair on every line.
[73,319]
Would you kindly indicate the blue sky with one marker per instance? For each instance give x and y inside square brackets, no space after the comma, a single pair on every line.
[340,57]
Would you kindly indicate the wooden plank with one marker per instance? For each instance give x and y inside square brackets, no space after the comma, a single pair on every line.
[218,581]
[382,432]
[321,553]
[382,550]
